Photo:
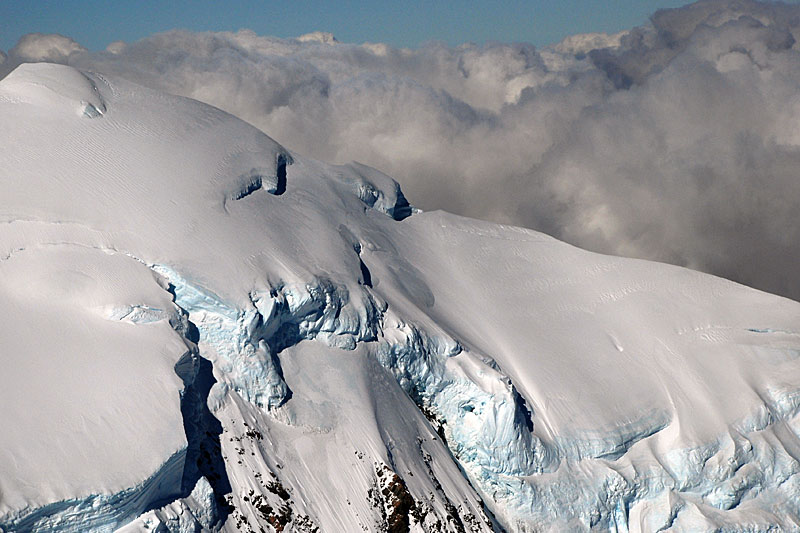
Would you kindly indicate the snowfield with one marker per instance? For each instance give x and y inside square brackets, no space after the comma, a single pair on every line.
[204,331]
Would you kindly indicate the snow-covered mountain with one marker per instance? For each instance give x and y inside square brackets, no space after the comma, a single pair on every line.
[205,331]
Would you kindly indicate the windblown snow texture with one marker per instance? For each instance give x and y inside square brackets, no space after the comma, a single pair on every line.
[205,331]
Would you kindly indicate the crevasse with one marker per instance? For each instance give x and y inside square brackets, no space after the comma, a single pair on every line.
[245,343]
[481,415]
[484,421]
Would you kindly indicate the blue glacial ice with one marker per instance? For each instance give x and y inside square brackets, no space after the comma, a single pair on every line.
[486,427]
[578,483]
[581,482]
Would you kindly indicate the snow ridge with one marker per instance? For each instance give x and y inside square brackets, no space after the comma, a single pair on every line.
[485,422]
[481,415]
[675,404]
[479,412]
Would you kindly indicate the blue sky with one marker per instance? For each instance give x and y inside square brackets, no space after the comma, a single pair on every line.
[94,24]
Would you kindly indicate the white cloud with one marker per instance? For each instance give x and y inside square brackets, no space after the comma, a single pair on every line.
[678,141]
[45,47]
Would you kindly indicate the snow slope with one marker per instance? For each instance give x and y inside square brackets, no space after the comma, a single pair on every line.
[205,331]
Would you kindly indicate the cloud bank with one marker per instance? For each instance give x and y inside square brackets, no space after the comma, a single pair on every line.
[677,141]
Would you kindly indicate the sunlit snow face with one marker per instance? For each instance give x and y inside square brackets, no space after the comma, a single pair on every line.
[675,141]
[546,363]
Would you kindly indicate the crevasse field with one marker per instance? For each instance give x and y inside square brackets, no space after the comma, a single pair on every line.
[204,331]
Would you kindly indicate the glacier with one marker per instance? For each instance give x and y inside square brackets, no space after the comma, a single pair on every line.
[486,426]
[209,332]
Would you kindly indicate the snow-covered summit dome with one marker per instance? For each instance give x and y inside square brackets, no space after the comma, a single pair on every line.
[207,331]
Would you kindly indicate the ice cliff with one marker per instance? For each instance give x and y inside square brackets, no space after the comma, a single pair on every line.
[207,332]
